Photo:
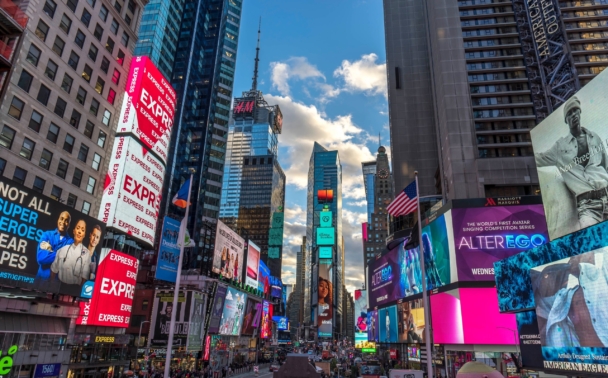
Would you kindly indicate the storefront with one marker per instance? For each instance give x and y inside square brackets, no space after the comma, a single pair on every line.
[100,356]
[501,361]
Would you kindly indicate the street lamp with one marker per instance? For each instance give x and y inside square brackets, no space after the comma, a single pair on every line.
[514,340]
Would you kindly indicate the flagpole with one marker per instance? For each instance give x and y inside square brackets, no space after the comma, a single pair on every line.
[425,297]
[182,232]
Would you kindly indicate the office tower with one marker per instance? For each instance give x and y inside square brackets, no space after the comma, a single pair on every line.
[12,25]
[378,188]
[61,103]
[158,33]
[467,80]
[324,242]
[203,74]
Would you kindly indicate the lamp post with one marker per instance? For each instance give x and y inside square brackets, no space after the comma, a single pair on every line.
[139,341]
[515,341]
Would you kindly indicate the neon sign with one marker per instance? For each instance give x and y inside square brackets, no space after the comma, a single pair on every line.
[489,242]
[382,275]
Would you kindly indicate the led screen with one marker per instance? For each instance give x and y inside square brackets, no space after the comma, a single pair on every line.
[232,316]
[388,325]
[162,310]
[264,280]
[361,312]
[372,325]
[325,301]
[253,262]
[411,322]
[529,340]
[253,316]
[168,254]
[436,247]
[228,255]
[217,309]
[280,321]
[267,313]
[326,236]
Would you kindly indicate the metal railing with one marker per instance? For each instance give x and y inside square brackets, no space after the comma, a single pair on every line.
[14,11]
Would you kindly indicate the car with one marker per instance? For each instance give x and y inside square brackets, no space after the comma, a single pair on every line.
[274,367]
[310,352]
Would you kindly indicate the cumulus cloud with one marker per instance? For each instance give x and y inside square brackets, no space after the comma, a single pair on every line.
[295,67]
[364,75]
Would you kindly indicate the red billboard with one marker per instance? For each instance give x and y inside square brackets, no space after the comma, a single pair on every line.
[113,291]
[325,195]
[148,106]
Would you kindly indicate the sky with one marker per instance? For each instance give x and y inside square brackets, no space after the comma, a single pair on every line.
[323,63]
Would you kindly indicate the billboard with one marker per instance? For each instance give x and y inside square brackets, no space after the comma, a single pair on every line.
[388,325]
[372,325]
[361,341]
[264,278]
[411,321]
[132,190]
[436,246]
[232,316]
[484,235]
[276,287]
[571,160]
[45,245]
[325,301]
[325,219]
[361,312]
[529,340]
[281,322]
[148,106]
[216,311]
[168,254]
[162,310]
[325,195]
[243,107]
[253,265]
[326,236]
[267,313]
[253,316]
[228,255]
[326,252]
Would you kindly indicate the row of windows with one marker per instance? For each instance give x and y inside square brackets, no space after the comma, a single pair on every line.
[471,12]
[588,35]
[491,42]
[514,138]
[590,46]
[489,31]
[505,152]
[492,53]
[581,3]
[590,58]
[498,76]
[462,3]
[495,64]
[501,100]
[586,24]
[495,113]
[487,21]
[499,88]
[590,70]
[505,125]
[586,13]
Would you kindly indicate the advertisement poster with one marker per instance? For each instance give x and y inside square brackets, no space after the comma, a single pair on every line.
[388,325]
[168,255]
[529,340]
[253,262]
[276,287]
[132,190]
[232,316]
[361,311]
[216,310]
[281,322]
[384,273]
[264,278]
[253,315]
[148,106]
[571,160]
[436,247]
[361,341]
[267,312]
[485,235]
[411,321]
[161,318]
[410,271]
[195,330]
[45,245]
[372,325]
[228,255]
[325,308]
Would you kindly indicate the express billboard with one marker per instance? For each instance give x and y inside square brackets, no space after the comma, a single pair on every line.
[253,264]
[132,190]
[325,301]
[168,253]
[228,255]
[148,106]
[45,245]
[162,310]
[232,316]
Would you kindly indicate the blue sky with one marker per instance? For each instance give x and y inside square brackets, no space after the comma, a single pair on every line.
[323,63]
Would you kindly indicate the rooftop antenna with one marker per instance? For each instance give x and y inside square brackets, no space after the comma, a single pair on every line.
[254,87]
[379,142]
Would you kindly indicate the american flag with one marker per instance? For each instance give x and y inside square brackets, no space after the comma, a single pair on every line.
[405,203]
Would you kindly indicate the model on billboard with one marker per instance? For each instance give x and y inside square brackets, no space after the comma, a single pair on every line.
[371,325]
[73,262]
[325,307]
[50,243]
[432,274]
[94,239]
[408,324]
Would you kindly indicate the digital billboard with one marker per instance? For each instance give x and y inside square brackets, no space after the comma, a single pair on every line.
[168,254]
[326,252]
[529,340]
[411,321]
[232,316]
[253,317]
[436,246]
[148,106]
[264,278]
[132,190]
[281,322]
[162,310]
[361,312]
[266,326]
[276,287]
[325,295]
[253,264]
[571,160]
[216,311]
[484,235]
[326,236]
[325,219]
[372,325]
[388,325]
[45,245]
[228,255]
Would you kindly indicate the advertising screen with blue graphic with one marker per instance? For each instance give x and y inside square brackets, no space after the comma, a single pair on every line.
[436,247]
[168,254]
[387,319]
[264,278]
[234,311]
[372,325]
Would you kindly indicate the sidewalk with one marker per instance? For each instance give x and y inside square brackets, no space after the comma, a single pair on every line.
[262,368]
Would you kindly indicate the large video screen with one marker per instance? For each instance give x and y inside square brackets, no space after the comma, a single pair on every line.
[436,246]
[228,254]
[45,245]
[216,311]
[411,322]
[264,278]
[232,316]
[484,235]
[325,301]
[388,325]
[372,325]
[571,160]
[360,315]
[253,264]
[266,326]
[253,315]
[162,311]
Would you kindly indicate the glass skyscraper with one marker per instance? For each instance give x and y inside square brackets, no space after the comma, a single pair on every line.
[369,174]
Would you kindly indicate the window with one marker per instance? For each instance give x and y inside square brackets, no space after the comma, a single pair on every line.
[81,96]
[33,55]
[49,8]
[6,137]
[98,32]
[35,121]
[125,39]
[85,17]
[25,80]
[128,19]
[103,13]
[72,4]
[66,23]
[92,3]
[114,27]
[80,38]
[100,84]
[71,202]
[87,72]
[107,116]
[58,46]
[96,162]
[117,6]
[116,76]
[60,106]
[101,139]
[91,185]
[131,7]
[19,175]
[51,70]
[53,133]
[111,96]
[144,304]
[62,168]
[110,45]
[68,144]
[2,166]
[77,177]
[45,159]
[16,108]
[39,184]
[83,153]
[27,148]
[66,83]
[56,193]
[88,129]
[94,108]
[75,119]
[121,57]
[86,207]
[93,50]
[43,94]
[42,30]
[73,62]
[105,64]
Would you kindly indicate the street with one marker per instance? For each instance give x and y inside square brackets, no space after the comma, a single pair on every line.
[262,374]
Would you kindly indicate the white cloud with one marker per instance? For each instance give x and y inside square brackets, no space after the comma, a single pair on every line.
[295,67]
[364,75]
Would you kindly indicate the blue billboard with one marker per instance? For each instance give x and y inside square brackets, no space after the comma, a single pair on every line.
[168,253]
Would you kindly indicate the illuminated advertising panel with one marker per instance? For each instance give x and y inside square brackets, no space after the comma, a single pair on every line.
[413,353]
[168,254]
[253,265]
[529,340]
[232,316]
[388,325]
[326,252]
[253,317]
[325,301]
[228,255]
[485,235]
[372,325]
[148,106]
[132,190]
[411,321]
[325,219]
[267,312]
[113,292]
[326,236]
[361,312]
[281,321]
[162,310]
[216,310]
[571,160]
[436,246]
[276,287]
[243,107]
[264,280]
[45,245]
[325,195]
[361,341]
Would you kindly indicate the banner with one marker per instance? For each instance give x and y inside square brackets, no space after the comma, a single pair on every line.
[267,312]
[325,301]
[253,264]
[161,318]
[216,310]
[264,278]
[228,255]
[388,325]
[168,254]
[232,316]
[253,317]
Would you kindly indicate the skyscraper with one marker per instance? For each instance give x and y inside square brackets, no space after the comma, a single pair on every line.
[369,175]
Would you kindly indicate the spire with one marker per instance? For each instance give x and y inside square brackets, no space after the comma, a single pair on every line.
[254,86]
[379,142]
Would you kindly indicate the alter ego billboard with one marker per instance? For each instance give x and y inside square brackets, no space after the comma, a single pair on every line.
[228,255]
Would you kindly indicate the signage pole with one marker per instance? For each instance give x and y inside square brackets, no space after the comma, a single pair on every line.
[425,297]
[181,237]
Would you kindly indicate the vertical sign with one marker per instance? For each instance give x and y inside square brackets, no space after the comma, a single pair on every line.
[168,254]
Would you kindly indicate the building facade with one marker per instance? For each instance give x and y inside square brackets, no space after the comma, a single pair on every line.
[369,174]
